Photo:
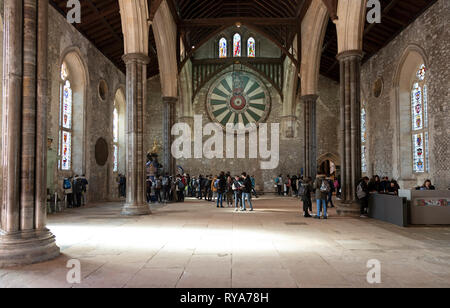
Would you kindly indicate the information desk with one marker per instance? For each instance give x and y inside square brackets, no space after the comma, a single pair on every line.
[428,207]
[388,208]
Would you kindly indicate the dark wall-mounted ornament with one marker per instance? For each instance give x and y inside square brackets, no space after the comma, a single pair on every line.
[101,152]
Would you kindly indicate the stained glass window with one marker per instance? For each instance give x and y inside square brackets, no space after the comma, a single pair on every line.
[66,154]
[67,105]
[65,121]
[419,118]
[363,140]
[237,49]
[251,48]
[223,48]
[116,140]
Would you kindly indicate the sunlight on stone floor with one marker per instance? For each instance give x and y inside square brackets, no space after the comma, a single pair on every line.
[197,245]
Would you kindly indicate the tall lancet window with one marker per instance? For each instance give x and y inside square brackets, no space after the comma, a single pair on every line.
[419,117]
[237,45]
[251,48]
[115,140]
[65,121]
[223,48]
[363,138]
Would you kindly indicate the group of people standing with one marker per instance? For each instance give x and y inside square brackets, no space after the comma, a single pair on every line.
[75,189]
[377,185]
[221,189]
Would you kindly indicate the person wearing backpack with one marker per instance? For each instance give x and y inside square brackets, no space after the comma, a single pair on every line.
[362,193]
[237,189]
[322,188]
[247,192]
[304,192]
[229,192]
[68,191]
[158,187]
[330,193]
[214,188]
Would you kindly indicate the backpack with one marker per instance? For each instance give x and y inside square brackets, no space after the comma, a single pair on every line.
[325,187]
[302,190]
[181,185]
[216,184]
[158,184]
[277,180]
[66,184]
[165,181]
[360,193]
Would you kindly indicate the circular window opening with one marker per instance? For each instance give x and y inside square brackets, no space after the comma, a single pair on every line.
[378,88]
[101,152]
[102,90]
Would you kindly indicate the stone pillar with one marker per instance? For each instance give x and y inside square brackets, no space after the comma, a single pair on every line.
[136,92]
[23,236]
[350,112]
[169,105]
[310,135]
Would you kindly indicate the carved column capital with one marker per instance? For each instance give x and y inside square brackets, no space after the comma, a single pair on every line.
[350,54]
[136,58]
[309,98]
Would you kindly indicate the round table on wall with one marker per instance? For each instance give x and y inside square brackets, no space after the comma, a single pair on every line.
[238,98]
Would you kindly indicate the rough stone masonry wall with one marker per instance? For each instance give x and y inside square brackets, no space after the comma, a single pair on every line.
[328,123]
[431,31]
[98,113]
[290,149]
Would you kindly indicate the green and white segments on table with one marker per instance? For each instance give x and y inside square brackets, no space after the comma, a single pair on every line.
[238,98]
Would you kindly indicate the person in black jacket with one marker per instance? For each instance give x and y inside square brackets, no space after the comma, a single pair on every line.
[304,191]
[221,188]
[362,193]
[247,192]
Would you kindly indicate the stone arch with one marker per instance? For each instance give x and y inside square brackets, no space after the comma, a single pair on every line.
[313,33]
[350,24]
[332,158]
[79,79]
[411,59]
[165,31]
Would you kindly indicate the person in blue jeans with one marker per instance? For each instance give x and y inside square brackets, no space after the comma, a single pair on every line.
[322,188]
[237,190]
[221,188]
[247,192]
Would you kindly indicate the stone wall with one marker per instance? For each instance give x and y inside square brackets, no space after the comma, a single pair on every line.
[430,33]
[64,38]
[328,120]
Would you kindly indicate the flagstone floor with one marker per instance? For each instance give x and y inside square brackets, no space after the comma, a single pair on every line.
[194,244]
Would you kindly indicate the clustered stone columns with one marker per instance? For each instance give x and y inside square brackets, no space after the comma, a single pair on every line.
[310,135]
[136,93]
[24,238]
[169,107]
[350,112]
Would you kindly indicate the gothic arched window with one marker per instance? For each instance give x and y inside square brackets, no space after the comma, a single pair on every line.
[363,138]
[419,117]
[65,121]
[223,48]
[115,140]
[251,47]
[237,45]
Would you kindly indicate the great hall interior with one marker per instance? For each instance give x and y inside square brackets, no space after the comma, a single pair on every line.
[102,97]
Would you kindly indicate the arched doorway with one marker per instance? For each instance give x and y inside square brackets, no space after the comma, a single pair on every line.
[329,164]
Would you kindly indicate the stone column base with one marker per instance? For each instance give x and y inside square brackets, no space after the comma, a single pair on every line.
[349,209]
[27,247]
[136,210]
